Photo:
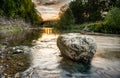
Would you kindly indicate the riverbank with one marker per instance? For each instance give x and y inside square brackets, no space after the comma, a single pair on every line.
[15,41]
[95,27]
[10,28]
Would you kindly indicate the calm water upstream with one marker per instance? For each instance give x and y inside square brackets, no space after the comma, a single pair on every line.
[47,62]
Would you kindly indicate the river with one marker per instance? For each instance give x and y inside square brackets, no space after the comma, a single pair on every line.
[48,63]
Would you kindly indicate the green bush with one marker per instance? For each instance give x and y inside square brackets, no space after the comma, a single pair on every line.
[111,23]
[113,20]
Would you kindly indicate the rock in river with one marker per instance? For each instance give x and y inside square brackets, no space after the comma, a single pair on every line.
[77,47]
[0,53]
[17,51]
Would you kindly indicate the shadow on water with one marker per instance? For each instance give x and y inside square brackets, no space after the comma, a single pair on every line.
[74,67]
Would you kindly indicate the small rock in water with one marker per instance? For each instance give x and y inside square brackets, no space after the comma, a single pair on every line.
[2,68]
[0,53]
[17,75]
[77,47]
[18,51]
[21,64]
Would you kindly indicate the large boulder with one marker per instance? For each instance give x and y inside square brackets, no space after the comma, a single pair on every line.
[77,47]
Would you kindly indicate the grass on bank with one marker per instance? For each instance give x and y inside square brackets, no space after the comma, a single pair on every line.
[89,27]
[97,27]
[8,30]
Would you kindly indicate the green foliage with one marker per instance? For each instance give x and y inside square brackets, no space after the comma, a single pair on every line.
[90,11]
[110,25]
[77,9]
[85,11]
[97,27]
[118,3]
[66,20]
[113,17]
[106,5]
[106,26]
[19,9]
[113,20]
[93,10]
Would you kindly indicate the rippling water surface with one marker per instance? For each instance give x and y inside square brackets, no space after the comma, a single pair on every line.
[47,62]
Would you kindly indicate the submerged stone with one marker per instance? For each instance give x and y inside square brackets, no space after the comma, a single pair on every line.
[77,47]
[0,53]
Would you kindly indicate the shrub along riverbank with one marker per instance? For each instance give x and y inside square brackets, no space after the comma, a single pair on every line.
[110,25]
[88,16]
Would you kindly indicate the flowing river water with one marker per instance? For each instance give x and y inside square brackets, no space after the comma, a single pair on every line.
[48,63]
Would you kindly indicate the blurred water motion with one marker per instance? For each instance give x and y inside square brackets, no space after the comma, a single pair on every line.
[49,64]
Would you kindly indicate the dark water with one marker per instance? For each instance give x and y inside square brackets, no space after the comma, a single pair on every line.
[47,62]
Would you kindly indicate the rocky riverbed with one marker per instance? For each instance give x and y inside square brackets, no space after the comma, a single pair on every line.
[13,60]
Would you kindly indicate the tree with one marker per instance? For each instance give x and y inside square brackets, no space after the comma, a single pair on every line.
[88,11]
[117,4]
[77,9]
[19,9]
[66,19]
[92,8]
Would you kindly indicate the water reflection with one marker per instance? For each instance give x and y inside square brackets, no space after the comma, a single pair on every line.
[15,52]
[23,38]
[47,30]
[48,63]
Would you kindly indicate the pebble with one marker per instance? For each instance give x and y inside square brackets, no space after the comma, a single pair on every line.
[18,51]
[2,68]
[17,75]
[0,53]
